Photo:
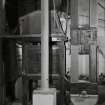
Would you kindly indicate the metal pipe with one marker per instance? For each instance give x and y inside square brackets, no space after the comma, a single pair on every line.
[44,44]
[2,31]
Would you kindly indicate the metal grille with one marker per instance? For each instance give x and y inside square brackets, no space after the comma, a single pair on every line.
[32,57]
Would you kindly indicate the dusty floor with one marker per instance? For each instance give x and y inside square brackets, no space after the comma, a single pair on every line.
[76,99]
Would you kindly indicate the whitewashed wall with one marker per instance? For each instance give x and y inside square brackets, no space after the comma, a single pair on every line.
[83,63]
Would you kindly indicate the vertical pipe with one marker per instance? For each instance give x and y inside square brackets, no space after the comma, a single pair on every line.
[97,63]
[45,44]
[2,27]
[89,13]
